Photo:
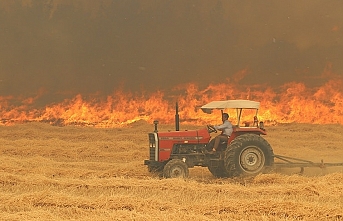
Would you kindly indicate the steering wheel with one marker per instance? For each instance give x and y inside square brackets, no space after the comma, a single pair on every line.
[211,129]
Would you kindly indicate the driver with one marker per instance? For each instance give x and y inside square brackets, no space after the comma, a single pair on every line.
[225,128]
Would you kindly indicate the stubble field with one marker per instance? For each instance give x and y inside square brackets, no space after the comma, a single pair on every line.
[78,173]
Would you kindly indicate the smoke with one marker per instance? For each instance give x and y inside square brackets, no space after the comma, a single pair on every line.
[85,46]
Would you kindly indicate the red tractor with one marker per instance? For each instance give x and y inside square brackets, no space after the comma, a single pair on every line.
[246,153]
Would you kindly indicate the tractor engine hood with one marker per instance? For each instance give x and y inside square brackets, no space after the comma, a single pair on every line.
[188,136]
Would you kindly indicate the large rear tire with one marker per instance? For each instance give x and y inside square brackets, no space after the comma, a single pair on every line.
[218,171]
[176,168]
[248,155]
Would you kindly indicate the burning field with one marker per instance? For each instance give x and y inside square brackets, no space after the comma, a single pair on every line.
[82,81]
[82,173]
[291,102]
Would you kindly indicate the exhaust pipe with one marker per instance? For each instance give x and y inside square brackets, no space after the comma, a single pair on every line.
[155,124]
[177,117]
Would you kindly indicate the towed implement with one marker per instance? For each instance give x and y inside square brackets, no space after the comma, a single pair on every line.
[245,153]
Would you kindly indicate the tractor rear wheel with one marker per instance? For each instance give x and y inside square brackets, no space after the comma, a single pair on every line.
[176,168]
[218,171]
[248,155]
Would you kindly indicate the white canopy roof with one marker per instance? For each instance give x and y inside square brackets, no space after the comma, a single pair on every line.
[246,104]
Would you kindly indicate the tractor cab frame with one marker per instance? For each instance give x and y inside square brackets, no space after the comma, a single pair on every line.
[239,105]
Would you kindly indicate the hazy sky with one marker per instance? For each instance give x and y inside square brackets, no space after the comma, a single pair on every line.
[84,46]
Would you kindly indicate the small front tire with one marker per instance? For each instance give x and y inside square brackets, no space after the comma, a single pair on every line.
[176,168]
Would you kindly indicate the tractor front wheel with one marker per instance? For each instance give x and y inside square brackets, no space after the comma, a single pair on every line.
[176,168]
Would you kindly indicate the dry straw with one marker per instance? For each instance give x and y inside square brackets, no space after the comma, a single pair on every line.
[75,173]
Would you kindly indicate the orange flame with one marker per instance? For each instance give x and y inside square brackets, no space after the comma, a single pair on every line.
[292,102]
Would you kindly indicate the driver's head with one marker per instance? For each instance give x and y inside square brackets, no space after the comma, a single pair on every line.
[225,116]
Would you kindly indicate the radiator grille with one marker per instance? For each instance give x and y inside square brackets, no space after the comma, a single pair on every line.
[152,146]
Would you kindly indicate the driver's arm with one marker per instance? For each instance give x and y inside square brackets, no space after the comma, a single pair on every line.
[220,127]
